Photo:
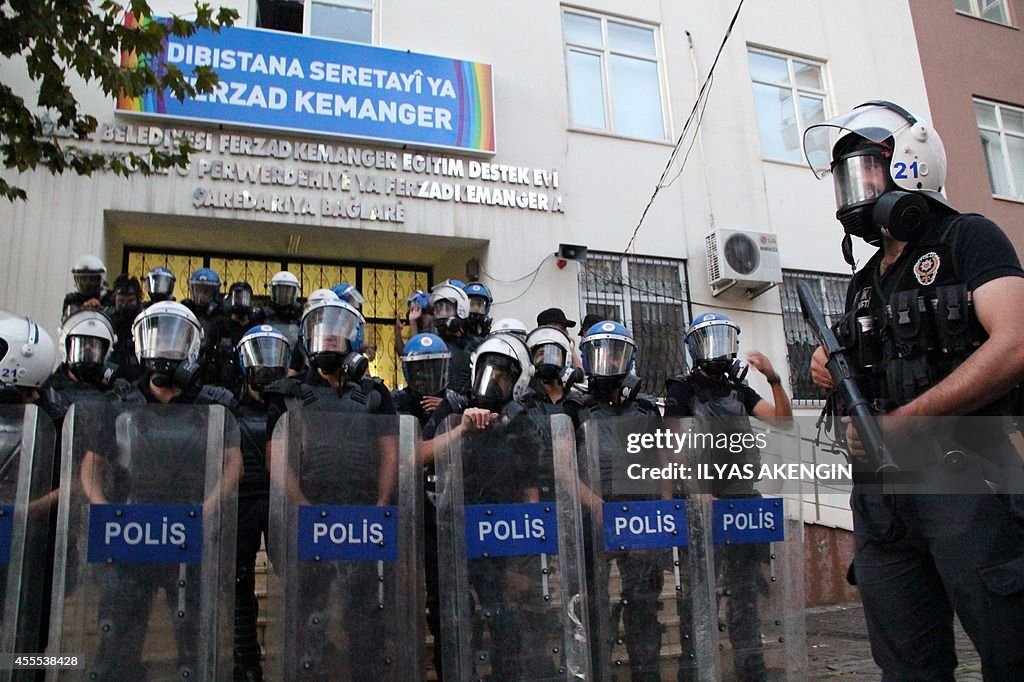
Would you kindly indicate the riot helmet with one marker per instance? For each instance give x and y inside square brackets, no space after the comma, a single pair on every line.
[509,325]
[608,353]
[348,293]
[550,352]
[204,286]
[713,343]
[88,272]
[330,330]
[284,289]
[885,164]
[263,356]
[480,301]
[501,371]
[451,307]
[84,344]
[160,284]
[420,298]
[239,299]
[27,352]
[167,340]
[317,296]
[425,364]
[127,295]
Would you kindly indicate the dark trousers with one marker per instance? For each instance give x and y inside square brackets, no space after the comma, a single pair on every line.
[919,558]
[252,528]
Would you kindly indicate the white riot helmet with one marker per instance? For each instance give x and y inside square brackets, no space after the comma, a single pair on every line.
[509,325]
[885,162]
[501,371]
[550,351]
[167,341]
[317,296]
[88,272]
[450,305]
[27,352]
[331,330]
[284,289]
[84,344]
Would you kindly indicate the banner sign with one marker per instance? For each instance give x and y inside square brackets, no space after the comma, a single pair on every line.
[291,82]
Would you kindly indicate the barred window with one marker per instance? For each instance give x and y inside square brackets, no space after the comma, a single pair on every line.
[649,296]
[830,292]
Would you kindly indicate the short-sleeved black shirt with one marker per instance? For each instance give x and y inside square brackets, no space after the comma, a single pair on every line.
[681,393]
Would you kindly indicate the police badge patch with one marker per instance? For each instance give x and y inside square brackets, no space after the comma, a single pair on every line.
[926,267]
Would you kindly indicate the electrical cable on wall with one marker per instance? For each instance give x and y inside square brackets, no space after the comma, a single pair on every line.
[697,112]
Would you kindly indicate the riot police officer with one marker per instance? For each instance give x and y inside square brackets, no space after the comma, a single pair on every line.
[480,300]
[147,461]
[206,303]
[285,309]
[613,392]
[339,473]
[419,318]
[451,314]
[715,392]
[263,355]
[299,365]
[934,324]
[159,283]
[127,305]
[90,289]
[85,344]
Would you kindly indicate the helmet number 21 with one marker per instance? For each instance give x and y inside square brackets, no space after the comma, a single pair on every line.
[902,168]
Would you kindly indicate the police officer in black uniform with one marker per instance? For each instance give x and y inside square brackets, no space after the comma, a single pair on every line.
[285,309]
[714,392]
[263,358]
[451,319]
[934,322]
[127,305]
[613,392]
[362,469]
[145,464]
[90,290]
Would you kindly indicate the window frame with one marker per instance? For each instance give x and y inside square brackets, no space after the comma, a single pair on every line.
[795,91]
[307,14]
[975,12]
[604,54]
[1008,167]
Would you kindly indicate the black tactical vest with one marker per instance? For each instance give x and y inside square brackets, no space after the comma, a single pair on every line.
[252,427]
[905,342]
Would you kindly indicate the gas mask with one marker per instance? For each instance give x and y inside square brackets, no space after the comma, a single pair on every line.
[166,373]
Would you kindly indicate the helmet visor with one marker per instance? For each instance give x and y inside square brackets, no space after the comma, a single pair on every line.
[496,376]
[159,283]
[859,178]
[608,357]
[330,328]
[444,308]
[88,282]
[426,377]
[549,354]
[167,337]
[873,122]
[478,305]
[203,292]
[87,349]
[264,351]
[713,341]
[240,297]
[282,294]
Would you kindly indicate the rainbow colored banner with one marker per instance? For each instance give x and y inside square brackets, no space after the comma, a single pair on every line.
[288,82]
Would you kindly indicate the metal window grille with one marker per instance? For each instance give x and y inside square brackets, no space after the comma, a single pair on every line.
[650,297]
[830,291]
[384,287]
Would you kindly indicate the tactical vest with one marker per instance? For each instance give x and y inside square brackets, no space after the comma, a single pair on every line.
[164,459]
[908,341]
[536,417]
[252,427]
[339,457]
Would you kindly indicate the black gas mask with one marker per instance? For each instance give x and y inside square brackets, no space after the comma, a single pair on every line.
[166,373]
[349,366]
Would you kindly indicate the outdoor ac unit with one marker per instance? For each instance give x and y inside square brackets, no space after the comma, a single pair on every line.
[748,261]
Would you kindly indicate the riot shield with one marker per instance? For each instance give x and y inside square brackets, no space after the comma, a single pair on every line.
[648,555]
[26,508]
[345,591]
[147,507]
[748,474]
[513,599]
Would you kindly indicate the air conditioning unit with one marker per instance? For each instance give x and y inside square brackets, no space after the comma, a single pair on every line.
[744,261]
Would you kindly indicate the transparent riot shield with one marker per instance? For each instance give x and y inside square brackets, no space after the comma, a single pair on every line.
[345,590]
[749,474]
[513,598]
[145,560]
[26,510]
[648,554]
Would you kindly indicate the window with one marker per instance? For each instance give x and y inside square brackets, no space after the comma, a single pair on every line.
[789,93]
[350,20]
[1002,139]
[649,296]
[800,340]
[613,75]
[989,10]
